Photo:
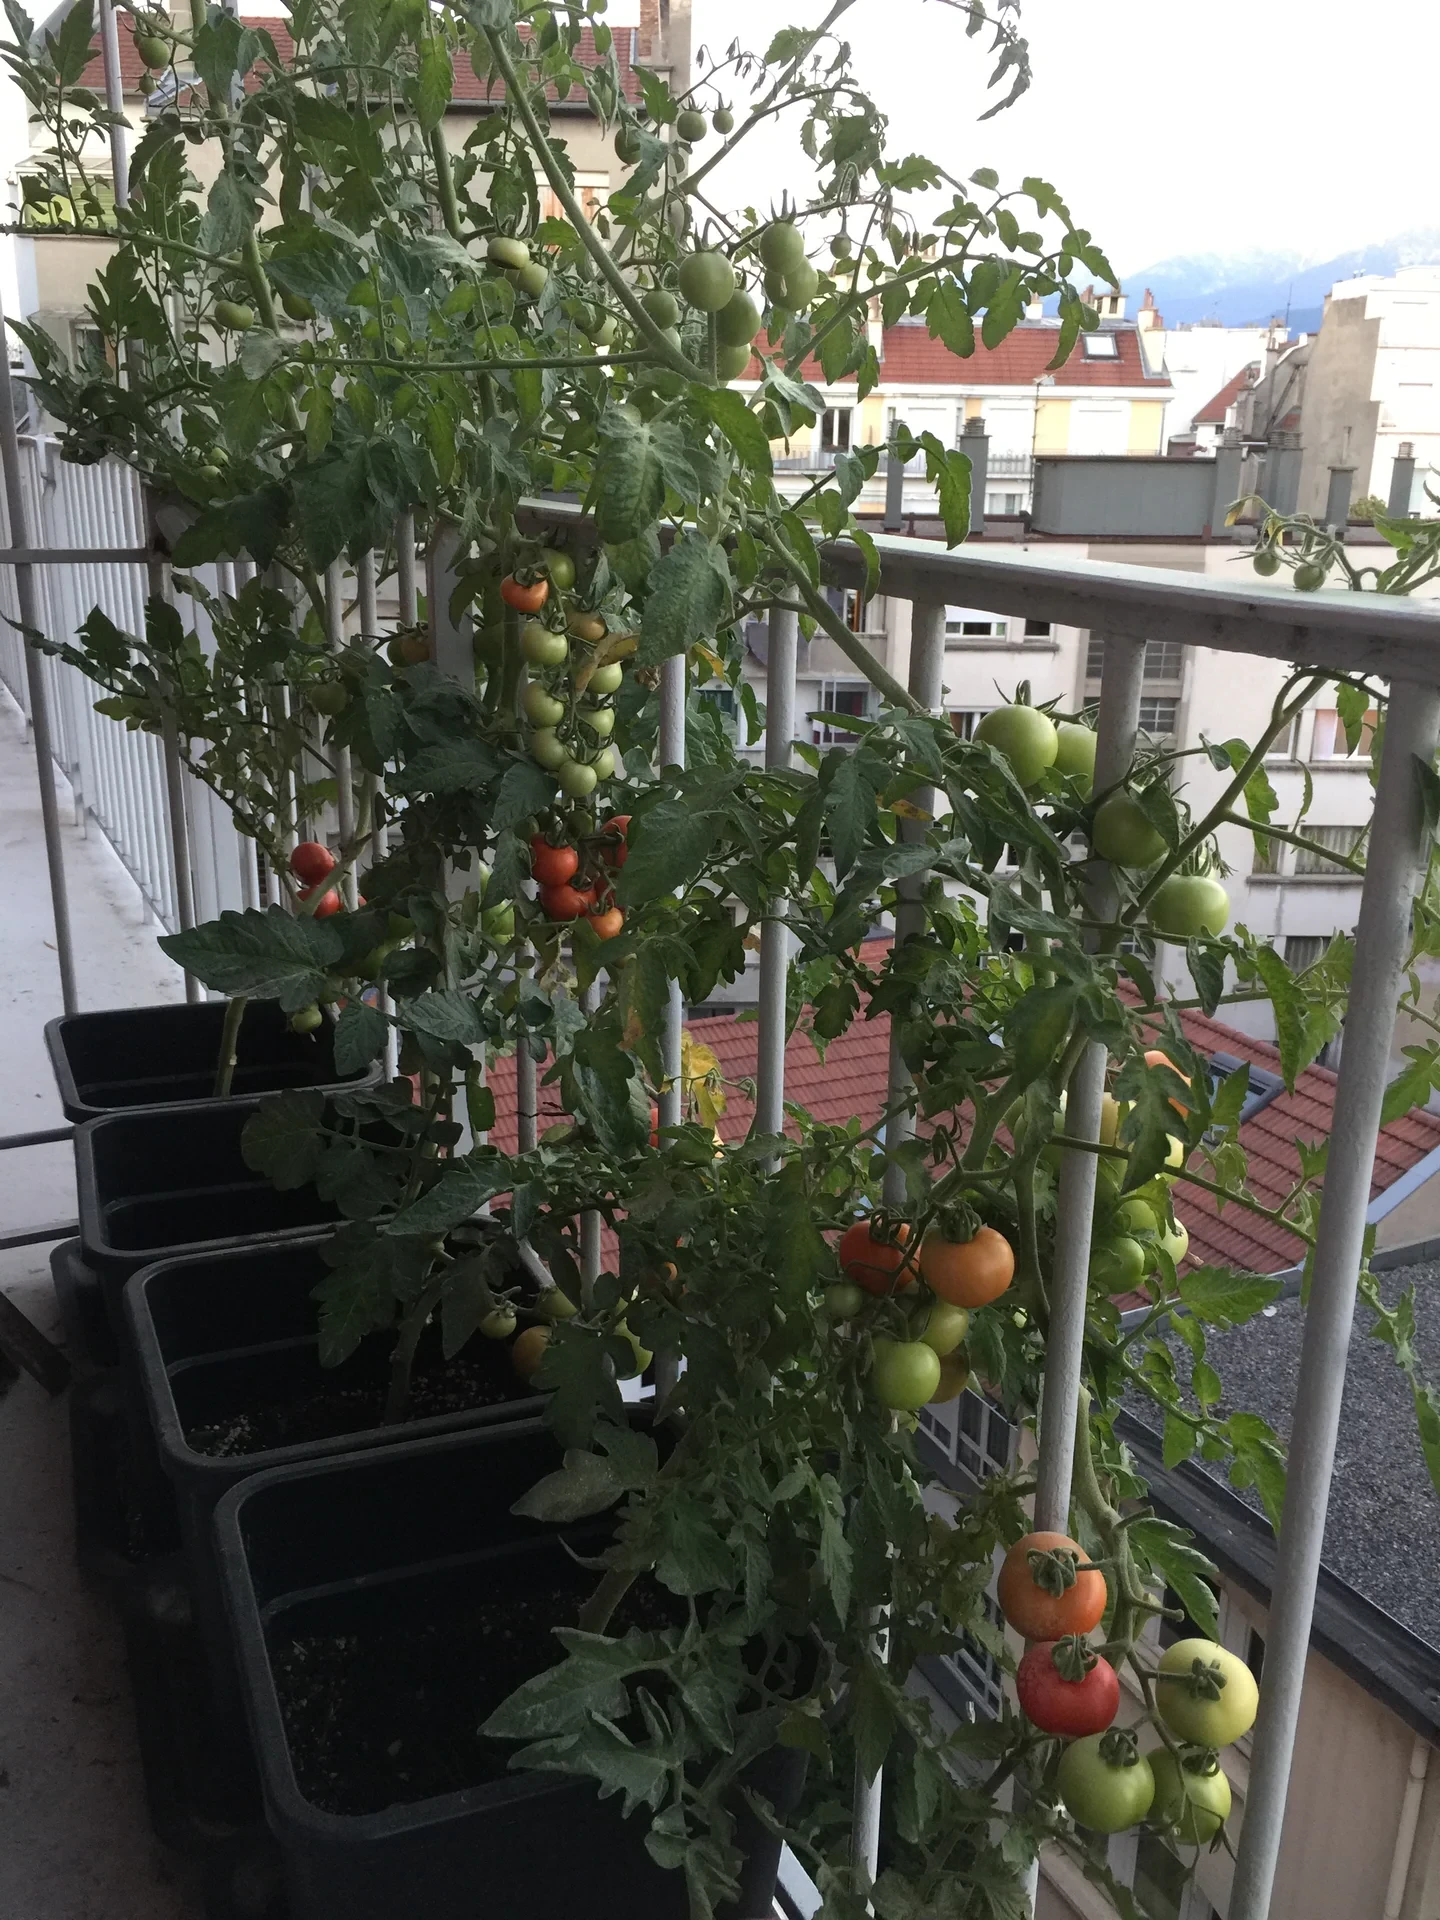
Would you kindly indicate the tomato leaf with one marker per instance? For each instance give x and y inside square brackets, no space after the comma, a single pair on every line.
[1222,1298]
[360,1035]
[688,592]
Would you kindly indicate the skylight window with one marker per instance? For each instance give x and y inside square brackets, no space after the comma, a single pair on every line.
[1263,1085]
[1101,346]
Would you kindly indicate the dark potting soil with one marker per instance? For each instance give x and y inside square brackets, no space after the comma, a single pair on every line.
[386,1717]
[479,1377]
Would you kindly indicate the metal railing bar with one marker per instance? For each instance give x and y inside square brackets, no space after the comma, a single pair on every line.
[1398,847]
[774,935]
[1118,724]
[36,1236]
[46,1137]
[25,591]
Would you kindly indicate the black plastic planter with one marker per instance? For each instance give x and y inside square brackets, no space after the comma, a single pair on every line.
[167,1181]
[369,1555]
[231,1338]
[132,1057]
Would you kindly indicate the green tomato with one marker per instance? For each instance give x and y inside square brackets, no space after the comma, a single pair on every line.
[707,281]
[662,307]
[627,146]
[1075,753]
[554,1304]
[297,307]
[1122,833]
[940,1326]
[1176,1243]
[723,120]
[1118,1264]
[1102,1794]
[843,1300]
[231,316]
[328,696]
[782,247]
[482,878]
[498,923]
[498,1324]
[1189,904]
[905,1373]
[154,51]
[643,1355]
[606,679]
[547,749]
[1309,576]
[504,252]
[576,779]
[541,708]
[1195,1805]
[841,246]
[560,567]
[306,1020]
[542,647]
[1266,561]
[738,322]
[692,125]
[600,721]
[533,279]
[802,283]
[1025,737]
[731,362]
[603,764]
[1186,1705]
[1135,1216]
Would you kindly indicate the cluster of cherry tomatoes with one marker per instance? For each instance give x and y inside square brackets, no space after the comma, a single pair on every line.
[567,895]
[879,1260]
[568,699]
[1205,1697]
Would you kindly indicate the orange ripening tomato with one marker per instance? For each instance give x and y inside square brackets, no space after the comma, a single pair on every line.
[607,923]
[526,596]
[1155,1058]
[566,902]
[333,902]
[311,861]
[1032,1610]
[614,843]
[871,1262]
[967,1273]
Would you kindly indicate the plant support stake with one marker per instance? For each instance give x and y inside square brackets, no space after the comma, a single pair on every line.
[774,935]
[1398,844]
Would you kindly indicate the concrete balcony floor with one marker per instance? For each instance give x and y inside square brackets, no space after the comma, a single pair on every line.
[75,1842]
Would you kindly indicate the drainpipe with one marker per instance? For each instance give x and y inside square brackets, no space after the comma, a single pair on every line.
[975,445]
[1337,504]
[1405,1834]
[1402,482]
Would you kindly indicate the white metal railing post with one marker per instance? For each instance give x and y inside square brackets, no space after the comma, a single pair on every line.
[926,681]
[1118,724]
[1398,847]
[344,779]
[671,753]
[774,935]
[174,772]
[28,602]
[115,102]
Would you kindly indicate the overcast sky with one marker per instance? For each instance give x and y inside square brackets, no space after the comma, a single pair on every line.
[1187,126]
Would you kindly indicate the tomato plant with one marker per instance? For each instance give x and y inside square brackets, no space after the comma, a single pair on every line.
[967,1273]
[1066,1688]
[552,866]
[1205,1693]
[526,596]
[1047,1590]
[875,1256]
[1192,1795]
[1106,1784]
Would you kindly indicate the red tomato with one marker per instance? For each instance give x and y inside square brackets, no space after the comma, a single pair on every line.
[614,844]
[607,923]
[552,866]
[1070,1708]
[875,1263]
[526,596]
[654,1126]
[311,862]
[332,902]
[566,902]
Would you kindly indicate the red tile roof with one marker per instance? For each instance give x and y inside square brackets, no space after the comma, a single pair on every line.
[468,90]
[852,1077]
[1216,408]
[910,358]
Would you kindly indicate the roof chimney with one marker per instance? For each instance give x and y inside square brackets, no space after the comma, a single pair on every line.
[1149,319]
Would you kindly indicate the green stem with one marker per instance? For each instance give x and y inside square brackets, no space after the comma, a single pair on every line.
[824,615]
[1265,832]
[445,185]
[229,1039]
[575,213]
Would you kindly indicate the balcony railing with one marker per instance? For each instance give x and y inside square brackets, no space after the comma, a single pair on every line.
[154,822]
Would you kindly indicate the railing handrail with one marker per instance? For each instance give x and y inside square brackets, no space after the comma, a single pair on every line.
[1344,632]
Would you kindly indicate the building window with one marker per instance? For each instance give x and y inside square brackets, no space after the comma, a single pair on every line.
[1164,662]
[1303,950]
[1287,746]
[841,700]
[1158,717]
[1328,740]
[722,702]
[1255,1653]
[1037,629]
[972,1433]
[1336,839]
[979,1673]
[966,722]
[1003,503]
[90,209]
[1161,1879]
[963,624]
[591,190]
[1101,346]
[1266,857]
[835,430]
